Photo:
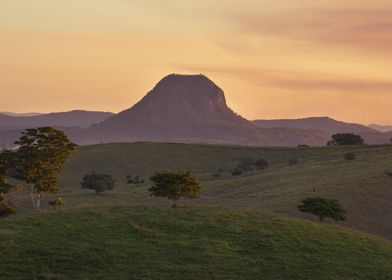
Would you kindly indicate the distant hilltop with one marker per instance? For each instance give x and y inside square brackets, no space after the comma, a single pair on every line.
[189,109]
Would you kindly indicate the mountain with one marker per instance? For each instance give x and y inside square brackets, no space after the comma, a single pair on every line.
[381,128]
[328,125]
[189,108]
[75,118]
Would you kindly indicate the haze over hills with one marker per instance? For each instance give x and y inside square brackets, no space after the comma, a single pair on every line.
[317,123]
[189,109]
[12,114]
[381,128]
[76,118]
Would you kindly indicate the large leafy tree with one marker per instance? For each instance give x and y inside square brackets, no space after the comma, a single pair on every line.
[323,208]
[344,139]
[175,185]
[40,157]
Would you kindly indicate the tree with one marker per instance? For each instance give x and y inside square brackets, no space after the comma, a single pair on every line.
[40,157]
[5,187]
[261,164]
[175,185]
[98,182]
[349,156]
[323,208]
[345,139]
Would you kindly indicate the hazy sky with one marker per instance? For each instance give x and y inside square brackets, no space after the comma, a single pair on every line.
[273,59]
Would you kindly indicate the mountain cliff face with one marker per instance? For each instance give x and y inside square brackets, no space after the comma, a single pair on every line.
[179,108]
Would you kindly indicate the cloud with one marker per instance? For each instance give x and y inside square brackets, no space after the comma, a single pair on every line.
[349,25]
[296,80]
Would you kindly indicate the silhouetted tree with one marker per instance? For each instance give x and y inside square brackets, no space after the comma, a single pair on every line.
[344,139]
[323,208]
[98,182]
[175,185]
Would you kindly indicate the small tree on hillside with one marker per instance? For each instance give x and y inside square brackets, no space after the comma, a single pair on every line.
[175,185]
[98,182]
[40,157]
[5,187]
[323,208]
[345,139]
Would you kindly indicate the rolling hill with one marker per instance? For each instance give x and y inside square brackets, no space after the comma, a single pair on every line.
[193,243]
[360,184]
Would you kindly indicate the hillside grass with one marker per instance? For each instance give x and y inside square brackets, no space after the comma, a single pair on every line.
[145,242]
[360,184]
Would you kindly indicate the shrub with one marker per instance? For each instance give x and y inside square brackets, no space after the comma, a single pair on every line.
[6,210]
[58,202]
[349,156]
[323,208]
[261,164]
[135,181]
[98,182]
[293,161]
[236,172]
[303,146]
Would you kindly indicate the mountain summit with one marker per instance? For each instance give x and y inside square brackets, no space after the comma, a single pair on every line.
[178,108]
[179,100]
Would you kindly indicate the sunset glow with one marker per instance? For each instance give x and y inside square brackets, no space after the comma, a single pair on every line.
[273,59]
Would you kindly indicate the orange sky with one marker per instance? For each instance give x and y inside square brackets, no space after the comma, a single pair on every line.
[288,59]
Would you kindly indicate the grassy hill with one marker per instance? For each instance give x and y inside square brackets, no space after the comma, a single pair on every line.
[360,185]
[143,242]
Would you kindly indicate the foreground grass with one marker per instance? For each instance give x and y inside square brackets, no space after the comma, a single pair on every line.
[189,243]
